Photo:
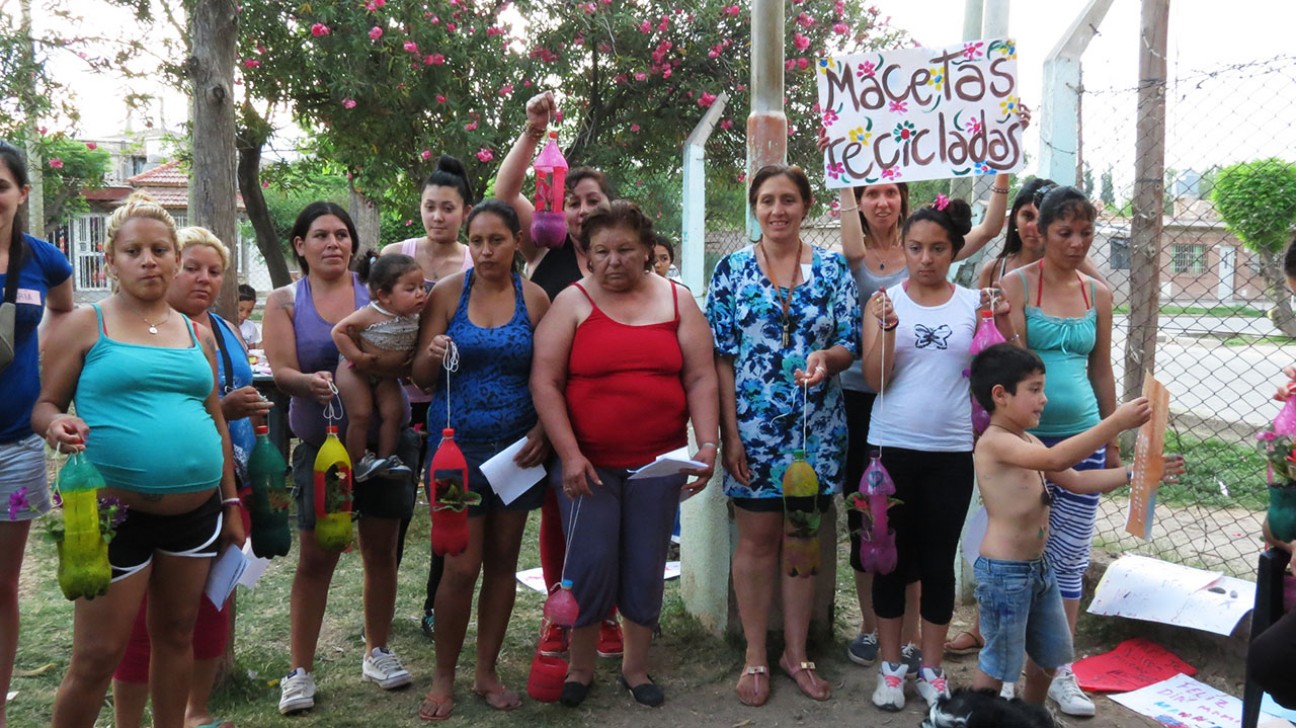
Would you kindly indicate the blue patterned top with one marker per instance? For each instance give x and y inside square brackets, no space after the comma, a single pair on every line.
[745,312]
[490,395]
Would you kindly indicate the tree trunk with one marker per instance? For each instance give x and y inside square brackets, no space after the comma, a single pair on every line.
[252,135]
[1276,291]
[368,222]
[212,188]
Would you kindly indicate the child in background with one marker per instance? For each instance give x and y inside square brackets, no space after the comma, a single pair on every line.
[1021,607]
[381,336]
[251,333]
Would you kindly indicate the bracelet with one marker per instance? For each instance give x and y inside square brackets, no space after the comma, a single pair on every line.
[1129,475]
[536,133]
[999,190]
[232,502]
[884,327]
[1015,337]
[707,444]
[847,209]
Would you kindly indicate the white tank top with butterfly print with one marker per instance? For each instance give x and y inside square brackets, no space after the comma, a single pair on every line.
[925,404]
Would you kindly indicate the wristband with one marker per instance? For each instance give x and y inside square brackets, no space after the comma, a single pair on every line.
[999,190]
[708,444]
[884,327]
[232,502]
[847,209]
[1129,475]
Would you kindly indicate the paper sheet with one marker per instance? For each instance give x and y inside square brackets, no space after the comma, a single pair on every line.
[224,576]
[672,463]
[1139,587]
[255,567]
[1183,702]
[13,694]
[507,479]
[1134,664]
[1269,707]
[534,578]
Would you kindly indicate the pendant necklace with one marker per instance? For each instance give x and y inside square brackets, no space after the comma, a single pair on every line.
[153,327]
[786,301]
[880,259]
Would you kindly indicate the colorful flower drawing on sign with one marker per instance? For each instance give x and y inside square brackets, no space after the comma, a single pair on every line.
[899,106]
[973,126]
[1009,106]
[1006,48]
[904,131]
[825,63]
[972,51]
[865,69]
[983,168]
[891,173]
[858,134]
[836,170]
[936,79]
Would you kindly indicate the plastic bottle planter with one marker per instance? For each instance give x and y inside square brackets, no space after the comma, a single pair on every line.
[269,503]
[451,498]
[986,336]
[873,499]
[545,681]
[549,222]
[1282,512]
[800,518]
[332,494]
[560,608]
[83,569]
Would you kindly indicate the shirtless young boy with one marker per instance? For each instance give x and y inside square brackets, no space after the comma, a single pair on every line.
[1021,607]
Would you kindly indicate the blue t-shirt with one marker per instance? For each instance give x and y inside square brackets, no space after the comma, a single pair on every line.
[44,267]
[242,435]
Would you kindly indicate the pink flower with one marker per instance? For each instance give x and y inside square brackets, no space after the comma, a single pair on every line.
[435,20]
[800,41]
[373,5]
[55,163]
[411,47]
[666,73]
[891,173]
[732,10]
[450,27]
[375,33]
[640,76]
[251,63]
[707,99]
[866,69]
[408,222]
[494,30]
[436,59]
[471,126]
[485,155]
[91,146]
[803,63]
[440,99]
[426,154]
[829,117]
[319,29]
[900,106]
[726,124]
[841,28]
[265,185]
[972,51]
[634,128]
[789,64]
[645,27]
[805,21]
[348,103]
[506,89]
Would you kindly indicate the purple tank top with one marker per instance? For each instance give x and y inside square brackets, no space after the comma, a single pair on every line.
[317,352]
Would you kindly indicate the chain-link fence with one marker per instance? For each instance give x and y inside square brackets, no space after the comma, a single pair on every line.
[1223,318]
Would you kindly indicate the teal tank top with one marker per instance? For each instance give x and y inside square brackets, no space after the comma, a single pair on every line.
[145,406]
[1064,344]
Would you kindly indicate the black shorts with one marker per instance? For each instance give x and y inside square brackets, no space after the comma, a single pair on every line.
[195,534]
[772,505]
[378,497]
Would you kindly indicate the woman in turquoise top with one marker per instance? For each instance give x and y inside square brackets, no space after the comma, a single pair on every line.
[1066,318]
[164,451]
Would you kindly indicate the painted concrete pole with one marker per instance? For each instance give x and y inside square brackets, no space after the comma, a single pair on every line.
[1059,117]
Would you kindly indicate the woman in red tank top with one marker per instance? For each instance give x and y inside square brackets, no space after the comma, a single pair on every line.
[623,360]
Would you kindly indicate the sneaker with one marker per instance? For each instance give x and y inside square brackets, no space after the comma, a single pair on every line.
[610,642]
[1066,692]
[368,467]
[428,624]
[396,468]
[911,656]
[931,685]
[296,692]
[553,640]
[384,667]
[1008,691]
[889,695]
[863,650]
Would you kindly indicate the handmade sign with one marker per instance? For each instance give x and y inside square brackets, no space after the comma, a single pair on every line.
[1139,587]
[920,113]
[1149,460]
[1135,663]
[1182,702]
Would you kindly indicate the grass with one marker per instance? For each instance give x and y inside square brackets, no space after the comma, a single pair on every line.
[1211,462]
[1220,311]
[1244,341]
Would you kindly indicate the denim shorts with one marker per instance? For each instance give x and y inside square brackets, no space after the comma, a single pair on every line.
[1021,614]
[24,494]
[476,453]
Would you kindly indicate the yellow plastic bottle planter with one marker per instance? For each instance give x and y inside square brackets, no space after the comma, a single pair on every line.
[83,569]
[333,494]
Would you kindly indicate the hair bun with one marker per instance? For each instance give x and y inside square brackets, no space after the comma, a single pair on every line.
[452,165]
[960,213]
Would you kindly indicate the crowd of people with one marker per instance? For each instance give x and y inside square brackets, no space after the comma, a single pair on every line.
[599,361]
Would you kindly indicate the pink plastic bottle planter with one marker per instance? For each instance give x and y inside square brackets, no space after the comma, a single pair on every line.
[877,543]
[561,608]
[549,223]
[987,335]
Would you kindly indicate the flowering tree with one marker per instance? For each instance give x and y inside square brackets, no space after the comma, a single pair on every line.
[1257,201]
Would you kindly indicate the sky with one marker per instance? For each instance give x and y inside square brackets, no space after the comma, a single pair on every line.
[1200,37]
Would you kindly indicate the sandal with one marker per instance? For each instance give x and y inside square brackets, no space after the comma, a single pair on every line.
[806,669]
[756,697]
[435,709]
[964,643]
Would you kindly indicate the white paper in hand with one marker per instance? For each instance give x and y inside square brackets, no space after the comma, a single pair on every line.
[256,566]
[672,463]
[506,477]
[224,575]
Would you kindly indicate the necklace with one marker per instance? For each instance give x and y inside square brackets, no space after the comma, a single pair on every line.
[1046,496]
[880,260]
[153,327]
[786,301]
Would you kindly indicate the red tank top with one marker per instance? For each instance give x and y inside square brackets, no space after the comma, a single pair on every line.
[625,392]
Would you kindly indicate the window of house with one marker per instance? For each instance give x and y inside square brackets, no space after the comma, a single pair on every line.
[1119,253]
[138,165]
[1189,259]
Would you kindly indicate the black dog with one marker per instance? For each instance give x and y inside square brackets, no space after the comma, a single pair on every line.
[968,708]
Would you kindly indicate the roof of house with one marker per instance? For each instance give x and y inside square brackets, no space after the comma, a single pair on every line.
[167,183]
[165,175]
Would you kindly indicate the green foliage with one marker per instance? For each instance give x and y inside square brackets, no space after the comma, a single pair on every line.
[1257,201]
[291,186]
[70,167]
[1107,191]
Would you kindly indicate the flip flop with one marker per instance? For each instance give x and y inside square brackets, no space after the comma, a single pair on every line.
[755,672]
[430,709]
[969,646]
[807,669]
[501,698]
[216,723]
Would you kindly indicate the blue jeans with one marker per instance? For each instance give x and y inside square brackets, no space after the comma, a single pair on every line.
[1021,614]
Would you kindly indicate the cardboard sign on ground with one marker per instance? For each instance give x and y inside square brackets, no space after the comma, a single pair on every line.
[1134,664]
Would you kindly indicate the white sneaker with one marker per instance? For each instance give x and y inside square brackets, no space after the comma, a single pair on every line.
[931,685]
[384,667]
[1008,691]
[889,695]
[369,467]
[396,468]
[296,691]
[1066,692]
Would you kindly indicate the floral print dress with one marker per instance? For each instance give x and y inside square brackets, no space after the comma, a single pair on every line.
[746,313]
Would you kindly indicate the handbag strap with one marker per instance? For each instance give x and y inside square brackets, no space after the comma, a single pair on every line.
[222,346]
[15,267]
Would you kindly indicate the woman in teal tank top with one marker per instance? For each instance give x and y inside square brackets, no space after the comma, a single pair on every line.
[1066,318]
[148,416]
